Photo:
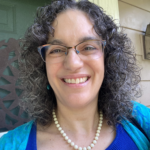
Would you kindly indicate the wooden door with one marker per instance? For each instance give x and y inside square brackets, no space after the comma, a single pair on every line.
[15,17]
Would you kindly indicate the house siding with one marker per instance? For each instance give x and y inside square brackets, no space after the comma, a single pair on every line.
[134,18]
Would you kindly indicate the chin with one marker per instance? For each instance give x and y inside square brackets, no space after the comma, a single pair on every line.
[77,102]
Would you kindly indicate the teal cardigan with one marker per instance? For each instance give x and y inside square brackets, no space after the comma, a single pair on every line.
[17,139]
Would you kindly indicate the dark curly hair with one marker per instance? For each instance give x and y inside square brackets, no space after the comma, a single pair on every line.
[121,77]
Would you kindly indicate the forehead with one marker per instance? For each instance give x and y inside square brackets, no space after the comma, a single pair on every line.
[72,25]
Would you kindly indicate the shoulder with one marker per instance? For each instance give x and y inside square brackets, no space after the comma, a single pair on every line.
[17,138]
[142,114]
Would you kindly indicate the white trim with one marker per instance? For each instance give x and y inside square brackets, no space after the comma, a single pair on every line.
[2,133]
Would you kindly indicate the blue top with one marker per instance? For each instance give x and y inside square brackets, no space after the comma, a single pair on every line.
[122,140]
[17,139]
[32,139]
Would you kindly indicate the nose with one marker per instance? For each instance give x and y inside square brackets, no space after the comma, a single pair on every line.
[72,61]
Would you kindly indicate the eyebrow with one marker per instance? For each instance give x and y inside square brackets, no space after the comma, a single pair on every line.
[83,39]
[56,41]
[87,38]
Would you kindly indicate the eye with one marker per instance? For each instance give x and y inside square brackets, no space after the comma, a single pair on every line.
[89,48]
[56,51]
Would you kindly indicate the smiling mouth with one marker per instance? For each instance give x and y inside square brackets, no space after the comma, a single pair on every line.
[76,81]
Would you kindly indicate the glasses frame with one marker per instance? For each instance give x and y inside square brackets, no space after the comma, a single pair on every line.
[74,47]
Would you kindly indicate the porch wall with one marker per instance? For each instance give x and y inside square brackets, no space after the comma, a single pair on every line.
[134,18]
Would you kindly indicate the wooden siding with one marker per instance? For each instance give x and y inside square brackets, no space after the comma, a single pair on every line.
[134,18]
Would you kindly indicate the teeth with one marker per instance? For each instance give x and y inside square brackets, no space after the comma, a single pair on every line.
[84,79]
[81,80]
[76,81]
[67,80]
[73,81]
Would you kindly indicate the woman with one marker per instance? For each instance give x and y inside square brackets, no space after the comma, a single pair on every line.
[79,83]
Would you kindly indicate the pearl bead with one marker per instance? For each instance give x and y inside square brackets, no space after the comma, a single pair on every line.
[76,147]
[72,144]
[62,131]
[53,113]
[57,125]
[84,148]
[55,119]
[92,145]
[100,125]
[98,131]
[101,122]
[94,141]
[54,116]
[66,138]
[56,122]
[88,147]
[69,141]
[80,148]
[59,128]
[64,134]
[97,134]
[96,138]
[99,128]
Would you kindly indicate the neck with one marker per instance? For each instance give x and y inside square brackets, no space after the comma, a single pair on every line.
[83,120]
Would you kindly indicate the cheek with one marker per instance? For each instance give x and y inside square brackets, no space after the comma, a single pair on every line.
[98,67]
[99,75]
[52,72]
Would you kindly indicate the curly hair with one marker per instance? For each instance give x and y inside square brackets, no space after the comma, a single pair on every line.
[121,76]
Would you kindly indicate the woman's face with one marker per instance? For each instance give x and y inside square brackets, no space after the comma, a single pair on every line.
[70,27]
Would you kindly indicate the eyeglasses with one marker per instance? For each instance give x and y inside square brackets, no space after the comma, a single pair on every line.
[87,50]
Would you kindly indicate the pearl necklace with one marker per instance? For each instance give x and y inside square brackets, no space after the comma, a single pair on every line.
[72,143]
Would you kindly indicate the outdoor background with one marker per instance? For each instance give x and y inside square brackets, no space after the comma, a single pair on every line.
[134,18]
[17,15]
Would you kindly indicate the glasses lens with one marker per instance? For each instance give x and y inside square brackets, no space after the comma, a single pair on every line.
[53,53]
[43,50]
[86,50]
[90,49]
